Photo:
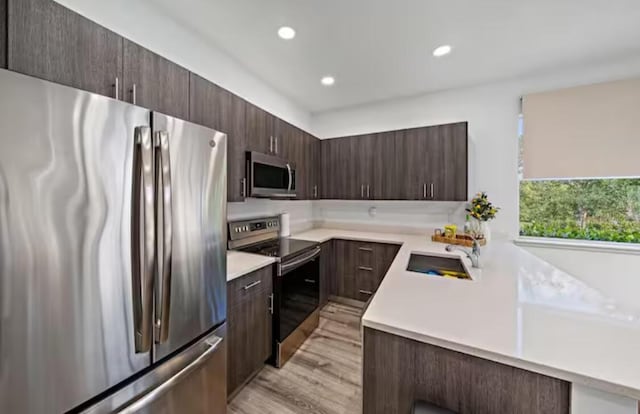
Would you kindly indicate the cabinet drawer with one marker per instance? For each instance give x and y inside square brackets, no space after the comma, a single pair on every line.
[366,283]
[361,266]
[364,254]
[249,286]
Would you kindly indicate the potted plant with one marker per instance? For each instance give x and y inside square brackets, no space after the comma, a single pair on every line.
[481,211]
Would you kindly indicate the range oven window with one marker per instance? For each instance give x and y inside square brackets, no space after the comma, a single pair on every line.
[299,295]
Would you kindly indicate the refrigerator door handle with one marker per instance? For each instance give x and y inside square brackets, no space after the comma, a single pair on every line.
[164,200]
[143,238]
[213,343]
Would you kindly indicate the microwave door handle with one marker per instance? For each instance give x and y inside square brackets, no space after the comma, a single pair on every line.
[164,201]
[143,245]
[290,178]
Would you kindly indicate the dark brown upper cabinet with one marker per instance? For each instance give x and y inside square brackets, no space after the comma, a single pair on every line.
[383,164]
[292,147]
[217,108]
[313,149]
[338,181]
[270,135]
[412,153]
[452,182]
[431,163]
[51,42]
[428,163]
[361,167]
[154,82]
[260,130]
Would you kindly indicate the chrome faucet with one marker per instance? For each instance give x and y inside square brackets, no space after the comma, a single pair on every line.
[473,255]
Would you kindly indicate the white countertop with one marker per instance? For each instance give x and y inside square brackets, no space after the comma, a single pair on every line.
[240,263]
[519,310]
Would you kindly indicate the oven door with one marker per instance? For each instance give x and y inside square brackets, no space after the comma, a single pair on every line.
[297,293]
[270,176]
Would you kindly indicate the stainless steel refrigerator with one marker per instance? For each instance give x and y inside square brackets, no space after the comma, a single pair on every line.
[112,255]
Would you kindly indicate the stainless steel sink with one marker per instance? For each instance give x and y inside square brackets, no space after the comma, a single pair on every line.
[437,266]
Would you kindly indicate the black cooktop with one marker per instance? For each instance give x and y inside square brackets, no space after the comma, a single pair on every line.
[283,248]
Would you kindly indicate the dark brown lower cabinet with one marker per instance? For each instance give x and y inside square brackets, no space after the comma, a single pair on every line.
[249,326]
[398,371]
[361,266]
[328,280]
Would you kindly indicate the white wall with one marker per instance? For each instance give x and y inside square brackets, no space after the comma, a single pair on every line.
[492,112]
[142,22]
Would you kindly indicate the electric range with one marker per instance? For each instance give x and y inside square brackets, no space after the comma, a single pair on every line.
[296,281]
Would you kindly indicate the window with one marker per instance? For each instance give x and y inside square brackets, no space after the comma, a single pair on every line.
[606,209]
[567,137]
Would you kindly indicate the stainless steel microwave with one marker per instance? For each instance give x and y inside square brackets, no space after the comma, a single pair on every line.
[270,177]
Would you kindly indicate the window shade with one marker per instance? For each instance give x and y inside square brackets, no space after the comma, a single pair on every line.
[583,132]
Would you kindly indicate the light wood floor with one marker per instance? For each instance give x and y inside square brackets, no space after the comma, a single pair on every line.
[323,377]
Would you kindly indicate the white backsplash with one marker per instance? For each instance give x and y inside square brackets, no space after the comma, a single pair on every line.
[405,216]
[408,216]
[301,212]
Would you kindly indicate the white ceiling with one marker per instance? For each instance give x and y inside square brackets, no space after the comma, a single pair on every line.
[381,49]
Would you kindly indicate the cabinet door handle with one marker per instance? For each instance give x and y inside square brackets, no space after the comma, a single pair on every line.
[310,281]
[366,292]
[368,194]
[244,187]
[432,192]
[271,303]
[424,190]
[134,94]
[315,191]
[365,249]
[368,269]
[116,85]
[276,138]
[271,145]
[362,191]
[250,285]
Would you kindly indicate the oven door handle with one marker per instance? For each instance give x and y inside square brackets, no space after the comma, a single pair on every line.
[284,268]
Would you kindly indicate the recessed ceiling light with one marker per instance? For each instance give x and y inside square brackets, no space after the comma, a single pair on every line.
[328,80]
[286,32]
[442,50]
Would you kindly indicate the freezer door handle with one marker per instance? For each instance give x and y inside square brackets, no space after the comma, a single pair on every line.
[164,220]
[213,344]
[143,238]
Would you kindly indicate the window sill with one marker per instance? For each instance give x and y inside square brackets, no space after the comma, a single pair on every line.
[583,245]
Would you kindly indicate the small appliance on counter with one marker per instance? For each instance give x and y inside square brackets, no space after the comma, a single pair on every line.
[285,224]
[296,280]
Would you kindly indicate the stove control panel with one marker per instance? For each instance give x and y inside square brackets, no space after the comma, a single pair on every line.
[243,229]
